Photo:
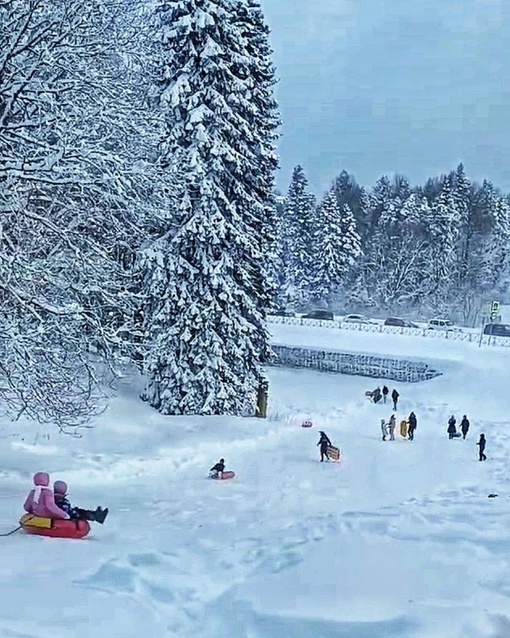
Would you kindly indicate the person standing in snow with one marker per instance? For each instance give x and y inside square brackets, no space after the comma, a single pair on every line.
[324,443]
[391,427]
[452,430]
[481,444]
[464,426]
[394,396]
[385,392]
[413,422]
[384,431]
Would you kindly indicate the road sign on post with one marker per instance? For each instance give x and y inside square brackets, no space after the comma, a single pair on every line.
[494,310]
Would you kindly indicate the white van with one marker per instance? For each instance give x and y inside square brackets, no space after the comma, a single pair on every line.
[440,324]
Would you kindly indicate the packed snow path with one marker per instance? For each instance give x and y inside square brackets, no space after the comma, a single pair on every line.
[399,540]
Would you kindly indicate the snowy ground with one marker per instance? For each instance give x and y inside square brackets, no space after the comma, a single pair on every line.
[397,541]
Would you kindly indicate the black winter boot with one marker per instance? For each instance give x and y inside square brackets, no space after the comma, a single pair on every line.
[100,515]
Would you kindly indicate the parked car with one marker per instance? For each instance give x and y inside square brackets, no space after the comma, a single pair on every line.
[401,323]
[281,312]
[357,319]
[323,315]
[497,329]
[440,324]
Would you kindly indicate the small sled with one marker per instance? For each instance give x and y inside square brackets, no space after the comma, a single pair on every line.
[306,424]
[404,426]
[225,475]
[55,528]
[334,453]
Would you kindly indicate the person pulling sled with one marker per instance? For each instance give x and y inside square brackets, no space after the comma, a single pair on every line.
[452,429]
[324,443]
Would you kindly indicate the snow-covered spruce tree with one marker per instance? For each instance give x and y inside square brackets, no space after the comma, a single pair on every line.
[443,234]
[298,237]
[69,196]
[338,246]
[266,120]
[204,278]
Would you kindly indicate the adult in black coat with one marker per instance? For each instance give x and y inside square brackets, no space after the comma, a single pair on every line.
[452,429]
[385,392]
[324,442]
[464,426]
[394,396]
[413,422]
[481,443]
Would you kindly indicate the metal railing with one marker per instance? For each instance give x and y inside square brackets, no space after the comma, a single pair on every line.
[452,335]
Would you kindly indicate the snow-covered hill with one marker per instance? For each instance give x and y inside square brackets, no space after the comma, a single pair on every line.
[398,540]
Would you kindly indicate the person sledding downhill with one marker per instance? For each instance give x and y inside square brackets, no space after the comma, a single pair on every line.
[44,502]
[41,501]
[76,513]
[324,443]
[217,470]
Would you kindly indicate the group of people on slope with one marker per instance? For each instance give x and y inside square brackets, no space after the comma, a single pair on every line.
[452,427]
[464,428]
[389,428]
[377,395]
[48,502]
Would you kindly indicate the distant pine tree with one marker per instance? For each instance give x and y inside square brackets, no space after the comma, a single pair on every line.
[298,238]
[338,247]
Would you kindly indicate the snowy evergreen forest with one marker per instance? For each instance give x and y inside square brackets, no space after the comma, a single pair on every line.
[440,247]
[137,162]
[139,221]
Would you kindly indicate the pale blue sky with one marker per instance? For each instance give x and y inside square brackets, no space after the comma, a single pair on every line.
[408,86]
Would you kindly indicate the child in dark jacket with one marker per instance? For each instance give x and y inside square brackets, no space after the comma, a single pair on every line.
[217,470]
[76,513]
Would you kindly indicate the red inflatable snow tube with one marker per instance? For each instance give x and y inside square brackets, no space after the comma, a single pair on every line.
[225,475]
[55,528]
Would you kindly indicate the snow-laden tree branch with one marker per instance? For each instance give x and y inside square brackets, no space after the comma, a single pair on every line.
[78,193]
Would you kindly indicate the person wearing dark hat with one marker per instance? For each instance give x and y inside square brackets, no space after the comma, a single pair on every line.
[324,442]
[481,443]
[464,426]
